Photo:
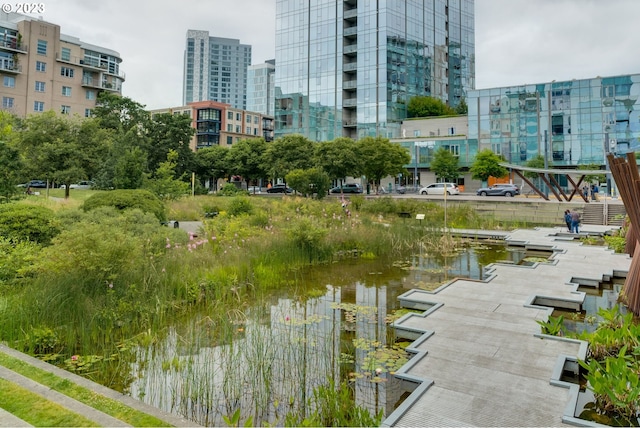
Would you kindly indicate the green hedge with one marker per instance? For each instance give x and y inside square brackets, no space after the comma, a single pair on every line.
[127,199]
[21,222]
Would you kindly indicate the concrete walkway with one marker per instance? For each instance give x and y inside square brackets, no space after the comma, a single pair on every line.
[480,358]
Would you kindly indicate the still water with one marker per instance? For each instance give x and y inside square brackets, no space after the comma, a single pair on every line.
[279,350]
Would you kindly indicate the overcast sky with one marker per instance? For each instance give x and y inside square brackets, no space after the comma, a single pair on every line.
[517,41]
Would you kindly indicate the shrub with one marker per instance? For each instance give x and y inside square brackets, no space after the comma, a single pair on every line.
[127,199]
[240,205]
[20,222]
[230,189]
[16,259]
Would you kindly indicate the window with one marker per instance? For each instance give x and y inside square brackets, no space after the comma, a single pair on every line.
[42,47]
[9,82]
[7,102]
[248,130]
[66,91]
[66,71]
[39,86]
[255,120]
[88,112]
[229,140]
[248,118]
[66,54]
[229,127]
[230,115]
[41,66]
[238,116]
[238,130]
[90,95]
[65,109]
[38,106]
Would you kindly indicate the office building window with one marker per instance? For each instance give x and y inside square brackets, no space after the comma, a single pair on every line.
[66,71]
[66,91]
[66,54]
[7,102]
[41,66]
[39,86]
[90,95]
[42,47]
[9,82]
[65,109]
[38,106]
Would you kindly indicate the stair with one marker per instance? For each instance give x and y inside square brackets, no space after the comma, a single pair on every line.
[596,214]
[616,214]
[593,214]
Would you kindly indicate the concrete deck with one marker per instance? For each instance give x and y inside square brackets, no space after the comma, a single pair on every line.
[480,357]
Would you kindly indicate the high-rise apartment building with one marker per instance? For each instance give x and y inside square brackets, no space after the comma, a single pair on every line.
[42,69]
[215,69]
[261,87]
[349,67]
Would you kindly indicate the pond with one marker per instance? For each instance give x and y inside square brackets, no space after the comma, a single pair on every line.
[279,350]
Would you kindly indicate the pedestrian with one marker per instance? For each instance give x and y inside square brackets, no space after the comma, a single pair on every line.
[575,221]
[585,192]
[567,219]
[594,192]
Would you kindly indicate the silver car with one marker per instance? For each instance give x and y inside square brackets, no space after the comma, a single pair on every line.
[439,189]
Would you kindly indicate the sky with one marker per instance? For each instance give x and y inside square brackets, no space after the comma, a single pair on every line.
[517,41]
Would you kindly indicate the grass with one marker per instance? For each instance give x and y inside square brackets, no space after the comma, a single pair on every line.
[37,410]
[97,401]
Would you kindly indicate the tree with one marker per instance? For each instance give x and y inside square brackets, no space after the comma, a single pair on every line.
[310,181]
[62,149]
[288,153]
[462,107]
[535,162]
[120,113]
[166,184]
[487,164]
[245,158]
[338,158]
[422,106]
[170,132]
[212,162]
[381,158]
[445,165]
[592,179]
[10,161]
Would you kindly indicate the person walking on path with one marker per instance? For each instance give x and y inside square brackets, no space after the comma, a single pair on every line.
[575,221]
[567,219]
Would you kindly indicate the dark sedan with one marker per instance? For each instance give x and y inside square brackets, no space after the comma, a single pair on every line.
[280,188]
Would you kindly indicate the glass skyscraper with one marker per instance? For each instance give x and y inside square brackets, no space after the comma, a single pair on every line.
[349,67]
[215,69]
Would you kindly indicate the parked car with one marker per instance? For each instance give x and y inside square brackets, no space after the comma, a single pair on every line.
[502,189]
[37,183]
[439,189]
[280,188]
[347,188]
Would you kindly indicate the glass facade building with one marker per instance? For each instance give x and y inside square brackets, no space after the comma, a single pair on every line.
[349,67]
[573,122]
[215,69]
[261,87]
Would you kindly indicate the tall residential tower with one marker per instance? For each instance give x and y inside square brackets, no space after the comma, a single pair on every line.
[349,67]
[215,69]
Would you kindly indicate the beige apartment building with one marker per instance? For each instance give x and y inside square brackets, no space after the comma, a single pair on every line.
[42,69]
[221,124]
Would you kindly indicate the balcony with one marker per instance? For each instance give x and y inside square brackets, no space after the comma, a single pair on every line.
[350,31]
[350,50]
[100,84]
[349,102]
[349,85]
[13,46]
[351,15]
[350,66]
[10,67]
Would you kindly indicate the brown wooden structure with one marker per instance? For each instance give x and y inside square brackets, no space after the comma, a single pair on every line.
[548,177]
[625,173]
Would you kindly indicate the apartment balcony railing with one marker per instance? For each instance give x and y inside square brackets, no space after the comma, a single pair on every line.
[350,49]
[349,102]
[97,83]
[350,66]
[350,31]
[89,64]
[350,84]
[10,67]
[351,14]
[13,45]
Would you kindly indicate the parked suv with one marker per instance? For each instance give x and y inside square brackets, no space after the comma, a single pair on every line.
[347,188]
[502,189]
[439,189]
[280,188]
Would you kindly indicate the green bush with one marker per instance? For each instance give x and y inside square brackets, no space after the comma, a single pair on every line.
[230,189]
[21,222]
[127,199]
[240,205]
[16,259]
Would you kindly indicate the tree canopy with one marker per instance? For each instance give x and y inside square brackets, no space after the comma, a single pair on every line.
[380,158]
[421,106]
[445,165]
[487,164]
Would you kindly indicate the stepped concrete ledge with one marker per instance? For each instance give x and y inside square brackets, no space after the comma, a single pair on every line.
[479,358]
[7,419]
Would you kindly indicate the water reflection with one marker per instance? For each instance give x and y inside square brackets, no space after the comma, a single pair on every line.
[272,355]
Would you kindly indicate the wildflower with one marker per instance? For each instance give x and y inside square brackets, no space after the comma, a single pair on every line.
[213,238]
[163,270]
[168,245]
[111,285]
[74,358]
[286,318]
